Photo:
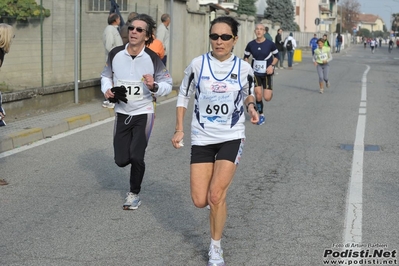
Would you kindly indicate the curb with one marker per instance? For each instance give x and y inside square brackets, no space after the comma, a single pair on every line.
[31,135]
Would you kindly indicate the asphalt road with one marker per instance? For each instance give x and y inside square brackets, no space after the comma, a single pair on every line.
[290,202]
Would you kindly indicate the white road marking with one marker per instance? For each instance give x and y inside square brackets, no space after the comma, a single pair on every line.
[65,134]
[55,137]
[354,204]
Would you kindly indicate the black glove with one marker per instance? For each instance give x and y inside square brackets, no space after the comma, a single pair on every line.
[119,94]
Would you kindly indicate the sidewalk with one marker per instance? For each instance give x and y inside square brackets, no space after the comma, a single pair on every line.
[28,130]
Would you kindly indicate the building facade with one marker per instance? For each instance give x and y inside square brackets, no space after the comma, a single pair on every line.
[370,22]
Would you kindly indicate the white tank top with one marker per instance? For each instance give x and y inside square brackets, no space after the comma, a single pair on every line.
[218,109]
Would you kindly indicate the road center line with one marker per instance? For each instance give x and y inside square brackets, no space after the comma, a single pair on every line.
[354,203]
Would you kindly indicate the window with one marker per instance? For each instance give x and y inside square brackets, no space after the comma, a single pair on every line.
[105,5]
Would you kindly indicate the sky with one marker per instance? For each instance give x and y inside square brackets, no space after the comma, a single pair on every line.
[382,8]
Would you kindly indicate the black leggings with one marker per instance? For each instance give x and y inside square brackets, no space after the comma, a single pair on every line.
[131,135]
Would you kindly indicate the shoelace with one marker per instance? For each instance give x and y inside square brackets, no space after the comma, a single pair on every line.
[215,253]
[130,197]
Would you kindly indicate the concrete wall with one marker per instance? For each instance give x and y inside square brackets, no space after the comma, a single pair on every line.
[22,68]
[25,67]
[36,101]
[22,71]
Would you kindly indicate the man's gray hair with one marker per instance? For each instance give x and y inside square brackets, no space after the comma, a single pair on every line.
[165,17]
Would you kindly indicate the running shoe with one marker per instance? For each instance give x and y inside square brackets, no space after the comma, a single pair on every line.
[262,120]
[108,104]
[328,84]
[132,201]
[215,256]
[321,90]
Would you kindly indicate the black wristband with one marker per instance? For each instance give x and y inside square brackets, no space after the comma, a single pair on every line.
[253,104]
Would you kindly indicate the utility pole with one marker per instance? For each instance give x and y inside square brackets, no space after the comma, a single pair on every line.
[340,24]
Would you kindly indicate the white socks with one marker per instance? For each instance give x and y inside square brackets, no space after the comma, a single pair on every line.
[216,242]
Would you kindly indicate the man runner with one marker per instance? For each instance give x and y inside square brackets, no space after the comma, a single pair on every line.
[264,59]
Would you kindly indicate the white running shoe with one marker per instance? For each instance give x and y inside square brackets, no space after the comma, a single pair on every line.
[132,201]
[215,256]
[108,104]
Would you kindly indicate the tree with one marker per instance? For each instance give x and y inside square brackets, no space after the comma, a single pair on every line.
[365,33]
[281,11]
[349,12]
[247,7]
[21,9]
[395,22]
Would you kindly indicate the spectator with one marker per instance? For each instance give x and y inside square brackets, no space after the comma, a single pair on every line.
[313,43]
[124,31]
[6,36]
[111,39]
[163,34]
[157,47]
[326,42]
[267,35]
[280,47]
[111,35]
[290,45]
[338,43]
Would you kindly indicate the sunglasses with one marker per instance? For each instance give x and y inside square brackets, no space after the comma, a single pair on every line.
[138,29]
[224,37]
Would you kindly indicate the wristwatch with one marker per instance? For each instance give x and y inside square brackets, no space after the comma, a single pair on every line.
[155,87]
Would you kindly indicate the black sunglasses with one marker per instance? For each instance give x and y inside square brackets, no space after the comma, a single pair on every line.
[224,37]
[138,29]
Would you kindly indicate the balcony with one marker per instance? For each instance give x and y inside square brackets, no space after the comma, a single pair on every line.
[206,2]
[325,2]
[230,4]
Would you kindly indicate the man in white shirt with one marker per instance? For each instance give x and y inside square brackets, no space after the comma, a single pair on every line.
[111,36]
[138,73]
[111,39]
[163,34]
[290,45]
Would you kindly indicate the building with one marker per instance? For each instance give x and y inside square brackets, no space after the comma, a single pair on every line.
[308,11]
[324,11]
[227,4]
[370,22]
